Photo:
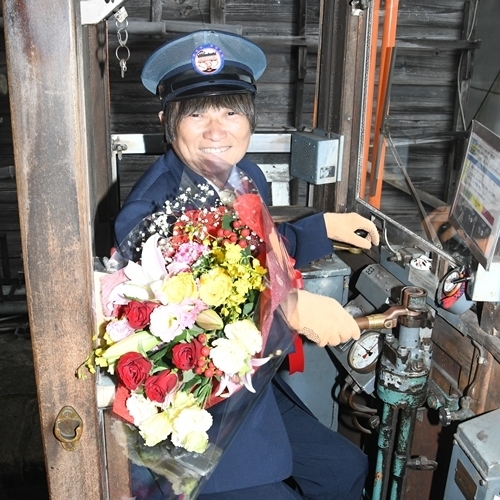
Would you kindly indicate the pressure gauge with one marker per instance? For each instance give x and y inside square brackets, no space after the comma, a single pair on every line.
[449,284]
[363,354]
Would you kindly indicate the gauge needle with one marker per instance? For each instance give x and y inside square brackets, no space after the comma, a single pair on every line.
[367,351]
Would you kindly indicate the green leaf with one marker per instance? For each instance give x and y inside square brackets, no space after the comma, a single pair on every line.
[202,393]
[226,221]
[188,375]
[248,308]
[159,368]
[158,355]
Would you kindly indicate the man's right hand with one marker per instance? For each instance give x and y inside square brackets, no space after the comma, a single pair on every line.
[322,320]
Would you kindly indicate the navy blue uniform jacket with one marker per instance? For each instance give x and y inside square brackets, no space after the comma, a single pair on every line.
[260,452]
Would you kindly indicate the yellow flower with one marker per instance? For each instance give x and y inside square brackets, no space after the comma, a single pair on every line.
[179,287]
[209,320]
[258,268]
[233,253]
[134,343]
[215,287]
[181,401]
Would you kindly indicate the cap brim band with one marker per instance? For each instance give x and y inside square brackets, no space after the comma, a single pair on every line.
[201,87]
[199,93]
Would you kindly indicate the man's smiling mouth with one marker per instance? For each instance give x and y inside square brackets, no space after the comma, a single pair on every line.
[215,150]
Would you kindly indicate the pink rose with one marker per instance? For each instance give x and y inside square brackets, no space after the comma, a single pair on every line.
[132,369]
[185,356]
[137,313]
[158,386]
[119,330]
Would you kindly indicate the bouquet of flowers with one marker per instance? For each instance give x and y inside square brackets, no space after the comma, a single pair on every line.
[189,318]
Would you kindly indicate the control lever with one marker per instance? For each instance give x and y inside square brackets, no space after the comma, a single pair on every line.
[388,319]
[355,250]
[413,306]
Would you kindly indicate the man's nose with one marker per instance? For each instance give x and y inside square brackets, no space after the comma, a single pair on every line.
[215,130]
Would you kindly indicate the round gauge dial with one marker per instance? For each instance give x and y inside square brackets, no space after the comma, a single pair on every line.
[449,281]
[363,354]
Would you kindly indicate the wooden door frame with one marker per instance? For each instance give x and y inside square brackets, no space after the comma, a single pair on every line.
[57,84]
[339,94]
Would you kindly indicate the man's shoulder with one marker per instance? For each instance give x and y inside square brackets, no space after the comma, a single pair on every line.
[250,168]
[165,171]
[165,165]
[167,162]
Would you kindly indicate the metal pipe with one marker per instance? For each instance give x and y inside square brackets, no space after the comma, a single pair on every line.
[385,445]
[403,450]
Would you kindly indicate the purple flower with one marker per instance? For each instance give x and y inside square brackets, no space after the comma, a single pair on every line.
[188,253]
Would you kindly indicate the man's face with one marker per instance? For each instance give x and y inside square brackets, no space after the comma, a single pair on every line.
[210,142]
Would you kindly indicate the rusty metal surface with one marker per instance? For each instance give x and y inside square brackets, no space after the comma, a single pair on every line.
[46,90]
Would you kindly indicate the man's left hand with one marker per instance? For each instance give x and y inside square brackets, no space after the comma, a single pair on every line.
[343,227]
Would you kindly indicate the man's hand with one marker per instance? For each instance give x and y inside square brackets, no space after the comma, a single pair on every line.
[322,320]
[343,227]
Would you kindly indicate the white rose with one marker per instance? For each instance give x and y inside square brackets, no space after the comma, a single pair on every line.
[194,441]
[164,323]
[229,355]
[140,408]
[156,428]
[247,333]
[189,429]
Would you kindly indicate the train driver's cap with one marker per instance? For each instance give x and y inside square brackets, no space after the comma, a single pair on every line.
[203,63]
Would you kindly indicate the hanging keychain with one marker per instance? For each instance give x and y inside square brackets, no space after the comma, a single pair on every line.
[122,35]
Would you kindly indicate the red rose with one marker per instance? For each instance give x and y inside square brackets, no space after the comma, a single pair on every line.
[158,386]
[132,369]
[185,356]
[138,313]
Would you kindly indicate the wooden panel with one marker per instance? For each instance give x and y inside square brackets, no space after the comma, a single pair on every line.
[55,214]
[218,11]
[475,371]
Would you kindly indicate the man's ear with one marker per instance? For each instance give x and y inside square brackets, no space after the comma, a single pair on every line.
[161,116]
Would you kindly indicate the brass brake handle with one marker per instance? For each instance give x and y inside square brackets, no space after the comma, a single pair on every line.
[349,248]
[388,319]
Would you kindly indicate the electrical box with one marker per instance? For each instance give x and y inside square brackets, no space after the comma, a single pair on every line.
[316,157]
[328,276]
[474,472]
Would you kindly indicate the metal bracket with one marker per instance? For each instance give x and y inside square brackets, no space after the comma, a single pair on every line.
[118,147]
[94,11]
[358,6]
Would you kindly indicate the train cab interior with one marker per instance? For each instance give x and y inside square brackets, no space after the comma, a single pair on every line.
[388,108]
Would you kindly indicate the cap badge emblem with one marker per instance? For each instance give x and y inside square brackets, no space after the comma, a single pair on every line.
[207,59]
